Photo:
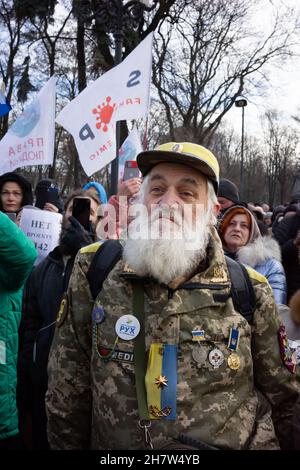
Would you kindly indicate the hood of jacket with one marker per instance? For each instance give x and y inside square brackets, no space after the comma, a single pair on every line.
[259,251]
[23,183]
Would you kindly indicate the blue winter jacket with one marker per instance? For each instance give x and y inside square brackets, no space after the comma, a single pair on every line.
[264,256]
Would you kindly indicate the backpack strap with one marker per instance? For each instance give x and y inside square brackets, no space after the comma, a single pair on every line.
[104,260]
[110,252]
[242,291]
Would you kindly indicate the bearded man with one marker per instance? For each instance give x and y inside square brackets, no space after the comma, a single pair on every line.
[161,359]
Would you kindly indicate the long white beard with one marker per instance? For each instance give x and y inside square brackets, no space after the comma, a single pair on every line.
[165,249]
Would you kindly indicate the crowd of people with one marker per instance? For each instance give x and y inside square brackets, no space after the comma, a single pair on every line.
[162,323]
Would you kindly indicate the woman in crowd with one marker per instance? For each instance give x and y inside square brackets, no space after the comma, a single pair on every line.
[242,241]
[15,192]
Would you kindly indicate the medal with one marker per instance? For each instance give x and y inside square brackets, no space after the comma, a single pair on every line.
[98,315]
[216,358]
[234,361]
[198,334]
[199,354]
[127,327]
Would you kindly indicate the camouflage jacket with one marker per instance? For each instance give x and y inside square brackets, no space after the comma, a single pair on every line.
[92,403]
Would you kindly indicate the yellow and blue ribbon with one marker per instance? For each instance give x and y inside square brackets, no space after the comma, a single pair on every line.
[162,394]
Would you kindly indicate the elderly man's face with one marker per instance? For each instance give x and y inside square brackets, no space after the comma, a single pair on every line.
[170,232]
[174,186]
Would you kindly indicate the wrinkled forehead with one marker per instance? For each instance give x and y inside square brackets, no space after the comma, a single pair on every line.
[11,185]
[173,173]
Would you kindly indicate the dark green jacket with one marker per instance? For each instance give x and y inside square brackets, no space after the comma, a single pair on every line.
[17,255]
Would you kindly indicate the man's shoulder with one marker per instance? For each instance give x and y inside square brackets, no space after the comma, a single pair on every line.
[255,276]
[89,250]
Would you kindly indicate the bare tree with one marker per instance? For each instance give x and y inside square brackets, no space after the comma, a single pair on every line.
[280,157]
[205,58]
[9,68]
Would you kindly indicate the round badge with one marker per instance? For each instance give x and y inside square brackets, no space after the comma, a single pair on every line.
[199,354]
[98,315]
[127,327]
[234,361]
[216,358]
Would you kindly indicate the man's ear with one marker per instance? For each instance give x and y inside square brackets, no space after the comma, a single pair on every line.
[216,209]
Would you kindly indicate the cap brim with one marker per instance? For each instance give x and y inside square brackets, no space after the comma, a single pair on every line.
[147,160]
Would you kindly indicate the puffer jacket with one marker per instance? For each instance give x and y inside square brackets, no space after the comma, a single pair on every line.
[265,257]
[17,255]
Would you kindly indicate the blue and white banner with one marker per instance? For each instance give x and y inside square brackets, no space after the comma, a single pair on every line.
[30,140]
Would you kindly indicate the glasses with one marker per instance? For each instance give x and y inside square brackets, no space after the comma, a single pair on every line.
[11,193]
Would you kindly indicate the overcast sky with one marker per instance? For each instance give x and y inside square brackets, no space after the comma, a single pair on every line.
[282,92]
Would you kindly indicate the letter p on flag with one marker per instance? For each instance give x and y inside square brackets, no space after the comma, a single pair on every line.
[119,94]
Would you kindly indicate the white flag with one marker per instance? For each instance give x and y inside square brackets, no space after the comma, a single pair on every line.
[129,150]
[30,140]
[121,93]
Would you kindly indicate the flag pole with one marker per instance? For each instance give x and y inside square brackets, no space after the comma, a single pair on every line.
[118,35]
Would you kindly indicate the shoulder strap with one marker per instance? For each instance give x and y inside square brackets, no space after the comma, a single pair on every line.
[104,260]
[242,291]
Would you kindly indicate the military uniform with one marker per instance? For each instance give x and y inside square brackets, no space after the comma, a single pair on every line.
[92,403]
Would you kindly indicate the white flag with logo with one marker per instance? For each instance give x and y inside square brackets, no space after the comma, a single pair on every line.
[119,94]
[129,150]
[30,140]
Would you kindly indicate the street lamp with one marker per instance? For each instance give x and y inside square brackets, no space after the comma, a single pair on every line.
[241,102]
[117,17]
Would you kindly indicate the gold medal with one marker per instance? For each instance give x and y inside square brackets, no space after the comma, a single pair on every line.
[234,361]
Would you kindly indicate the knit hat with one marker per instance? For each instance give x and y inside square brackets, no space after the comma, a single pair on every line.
[295,197]
[100,190]
[228,190]
[50,184]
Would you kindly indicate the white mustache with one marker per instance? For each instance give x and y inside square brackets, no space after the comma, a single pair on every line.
[172,215]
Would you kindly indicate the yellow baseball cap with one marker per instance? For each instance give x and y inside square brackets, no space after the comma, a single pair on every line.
[185,153]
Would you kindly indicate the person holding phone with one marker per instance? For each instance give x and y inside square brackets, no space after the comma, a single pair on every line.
[42,297]
[128,189]
[47,196]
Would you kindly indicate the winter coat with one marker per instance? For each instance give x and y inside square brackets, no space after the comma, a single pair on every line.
[265,257]
[41,300]
[285,232]
[91,399]
[42,296]
[17,255]
[290,317]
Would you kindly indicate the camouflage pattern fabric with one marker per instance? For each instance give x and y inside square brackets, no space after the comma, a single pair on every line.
[91,403]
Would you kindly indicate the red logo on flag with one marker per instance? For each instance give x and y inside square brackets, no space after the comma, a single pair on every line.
[104,114]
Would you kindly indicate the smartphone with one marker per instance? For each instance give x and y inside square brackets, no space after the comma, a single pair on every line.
[81,211]
[131,170]
[45,195]
[12,216]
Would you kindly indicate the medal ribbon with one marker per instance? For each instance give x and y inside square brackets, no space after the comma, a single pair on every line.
[161,381]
